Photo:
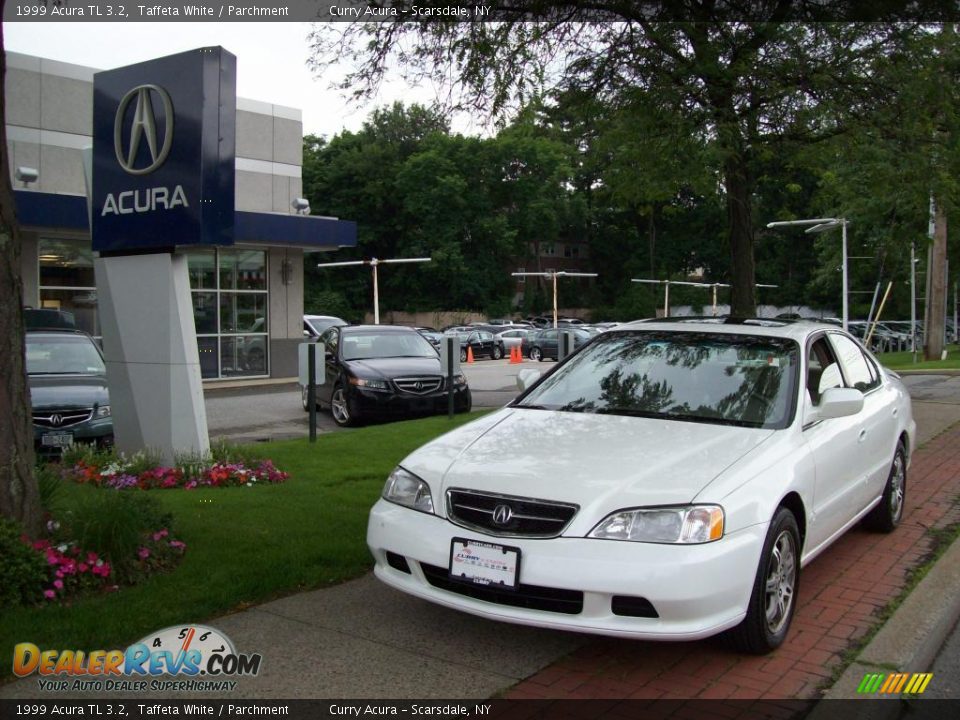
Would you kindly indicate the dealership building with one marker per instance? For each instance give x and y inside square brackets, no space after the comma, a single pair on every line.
[247,296]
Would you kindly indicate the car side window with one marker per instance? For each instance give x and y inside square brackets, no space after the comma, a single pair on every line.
[859,371]
[330,342]
[822,369]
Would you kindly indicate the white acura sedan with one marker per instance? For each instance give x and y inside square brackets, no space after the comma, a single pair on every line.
[666,482]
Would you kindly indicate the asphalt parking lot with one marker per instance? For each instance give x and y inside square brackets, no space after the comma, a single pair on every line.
[260,413]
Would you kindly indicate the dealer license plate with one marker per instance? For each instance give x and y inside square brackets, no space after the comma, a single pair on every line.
[484,563]
[54,439]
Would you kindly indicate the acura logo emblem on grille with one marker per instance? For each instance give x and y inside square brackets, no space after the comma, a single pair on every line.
[56,420]
[502,514]
[419,385]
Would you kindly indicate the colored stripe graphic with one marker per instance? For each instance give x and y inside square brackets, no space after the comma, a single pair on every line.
[894,683]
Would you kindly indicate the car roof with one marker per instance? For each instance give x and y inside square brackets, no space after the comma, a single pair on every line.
[797,330]
[351,329]
[73,332]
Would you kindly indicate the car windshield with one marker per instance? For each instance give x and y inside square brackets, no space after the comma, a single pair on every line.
[67,355]
[368,346]
[697,377]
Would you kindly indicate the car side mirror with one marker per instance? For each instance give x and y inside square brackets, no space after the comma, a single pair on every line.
[526,378]
[306,333]
[837,402]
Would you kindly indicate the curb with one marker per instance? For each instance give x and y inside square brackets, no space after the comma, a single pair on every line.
[909,641]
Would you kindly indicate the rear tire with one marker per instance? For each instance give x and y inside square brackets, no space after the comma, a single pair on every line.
[535,354]
[774,597]
[888,513]
[497,352]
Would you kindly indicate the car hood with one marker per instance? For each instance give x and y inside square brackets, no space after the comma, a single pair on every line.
[394,367]
[603,462]
[68,391]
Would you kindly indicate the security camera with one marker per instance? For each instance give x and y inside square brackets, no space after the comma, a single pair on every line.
[26,174]
[301,206]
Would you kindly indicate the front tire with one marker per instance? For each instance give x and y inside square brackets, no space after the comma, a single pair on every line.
[773,600]
[340,408]
[463,355]
[888,513]
[497,352]
[535,354]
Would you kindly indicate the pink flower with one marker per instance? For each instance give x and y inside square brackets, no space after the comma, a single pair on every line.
[160,534]
[144,553]
[58,584]
[177,545]
[83,567]
[49,594]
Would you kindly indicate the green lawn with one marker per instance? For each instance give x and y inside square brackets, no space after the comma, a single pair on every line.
[244,545]
[904,360]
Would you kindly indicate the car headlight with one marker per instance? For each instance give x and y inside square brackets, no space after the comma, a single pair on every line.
[370,384]
[459,380]
[103,411]
[405,488]
[680,525]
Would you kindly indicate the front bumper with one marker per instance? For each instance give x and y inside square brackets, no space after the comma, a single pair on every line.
[98,430]
[695,590]
[365,402]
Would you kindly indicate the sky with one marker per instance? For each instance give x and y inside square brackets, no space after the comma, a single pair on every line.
[271,62]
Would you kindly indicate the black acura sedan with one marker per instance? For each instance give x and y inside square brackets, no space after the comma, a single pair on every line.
[68,390]
[383,371]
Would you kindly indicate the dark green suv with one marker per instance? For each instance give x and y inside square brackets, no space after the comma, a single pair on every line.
[68,389]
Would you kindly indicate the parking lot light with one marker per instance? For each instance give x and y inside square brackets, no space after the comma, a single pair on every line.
[820,225]
[373,263]
[553,276]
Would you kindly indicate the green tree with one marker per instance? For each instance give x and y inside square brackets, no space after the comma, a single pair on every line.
[742,85]
[19,497]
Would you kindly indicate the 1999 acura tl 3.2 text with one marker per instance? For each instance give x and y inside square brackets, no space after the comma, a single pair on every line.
[666,482]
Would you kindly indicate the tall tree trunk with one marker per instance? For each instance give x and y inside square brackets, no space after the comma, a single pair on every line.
[19,498]
[740,217]
[938,287]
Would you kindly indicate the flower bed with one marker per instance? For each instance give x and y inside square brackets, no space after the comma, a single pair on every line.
[122,474]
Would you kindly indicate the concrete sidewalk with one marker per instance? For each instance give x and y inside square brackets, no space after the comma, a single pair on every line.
[363,640]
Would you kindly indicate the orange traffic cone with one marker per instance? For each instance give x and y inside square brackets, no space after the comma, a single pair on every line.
[469,354]
[515,355]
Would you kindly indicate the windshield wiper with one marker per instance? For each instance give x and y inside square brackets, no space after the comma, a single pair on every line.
[533,407]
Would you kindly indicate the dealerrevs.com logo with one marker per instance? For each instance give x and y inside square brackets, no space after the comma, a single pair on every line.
[180,658]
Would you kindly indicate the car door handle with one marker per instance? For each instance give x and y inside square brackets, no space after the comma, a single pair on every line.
[896,411]
[863,435]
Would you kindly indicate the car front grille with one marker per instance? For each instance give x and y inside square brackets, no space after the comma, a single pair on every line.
[419,385]
[504,515]
[56,419]
[534,597]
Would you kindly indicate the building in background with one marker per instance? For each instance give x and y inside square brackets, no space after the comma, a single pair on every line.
[247,299]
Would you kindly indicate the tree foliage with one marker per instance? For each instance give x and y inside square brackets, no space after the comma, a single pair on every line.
[744,86]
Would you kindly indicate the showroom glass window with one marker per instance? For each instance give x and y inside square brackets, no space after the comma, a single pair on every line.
[229,290]
[66,280]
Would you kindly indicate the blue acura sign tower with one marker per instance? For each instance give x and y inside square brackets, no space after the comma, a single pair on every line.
[162,178]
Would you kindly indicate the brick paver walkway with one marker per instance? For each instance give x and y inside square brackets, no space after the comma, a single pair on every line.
[841,595]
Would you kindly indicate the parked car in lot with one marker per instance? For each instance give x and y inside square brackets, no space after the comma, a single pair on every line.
[512,338]
[666,482]
[383,371]
[69,398]
[481,343]
[543,344]
[314,325]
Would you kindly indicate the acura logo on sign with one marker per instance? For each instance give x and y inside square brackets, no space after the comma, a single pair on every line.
[143,128]
[502,514]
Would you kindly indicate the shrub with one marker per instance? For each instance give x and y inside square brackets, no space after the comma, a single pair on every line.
[115,525]
[23,571]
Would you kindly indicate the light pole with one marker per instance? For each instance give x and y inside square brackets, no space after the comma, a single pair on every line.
[373,263]
[553,276]
[666,290]
[822,225]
